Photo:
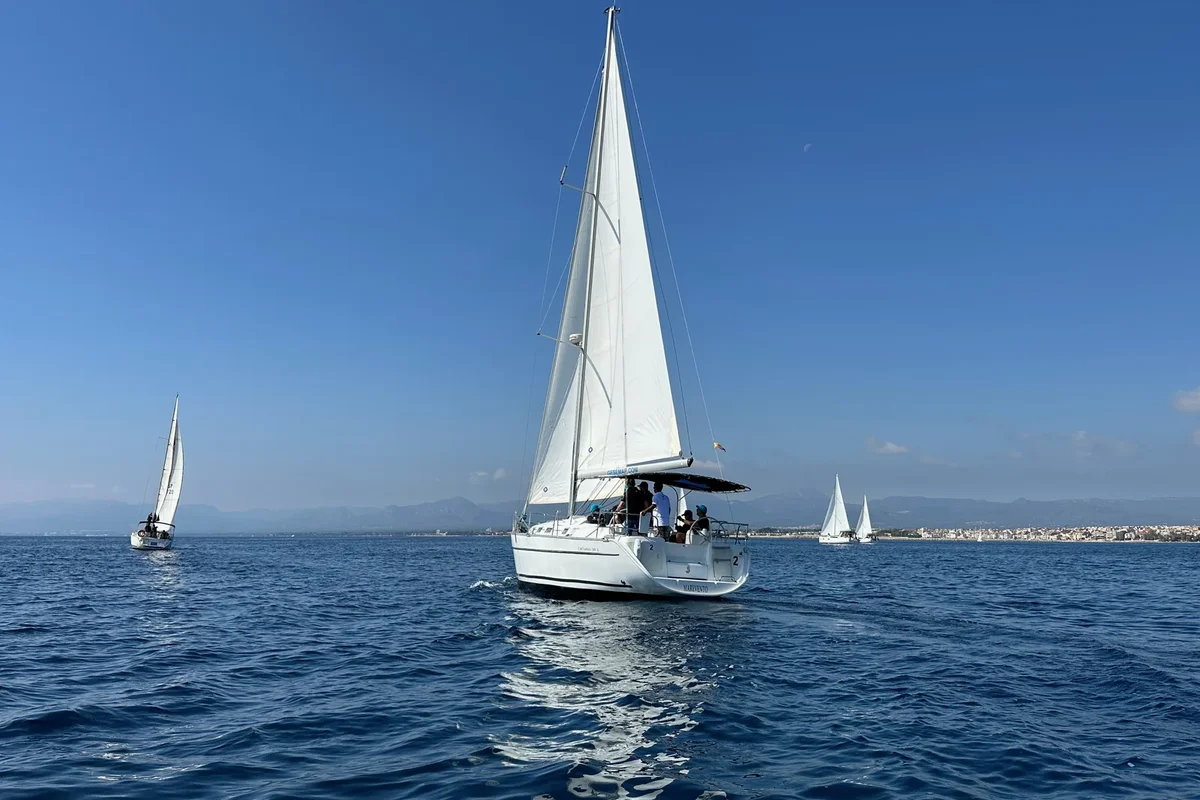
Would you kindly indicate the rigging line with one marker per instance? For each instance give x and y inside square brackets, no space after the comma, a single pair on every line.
[671,259]
[546,281]
[146,486]
[558,205]
[687,427]
[666,239]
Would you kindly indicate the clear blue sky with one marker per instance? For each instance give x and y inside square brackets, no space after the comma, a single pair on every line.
[325,226]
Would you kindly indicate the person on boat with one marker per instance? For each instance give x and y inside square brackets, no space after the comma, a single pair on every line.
[627,504]
[683,526]
[662,510]
[645,501]
[701,524]
[594,514]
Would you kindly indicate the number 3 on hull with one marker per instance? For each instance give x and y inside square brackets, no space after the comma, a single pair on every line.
[610,411]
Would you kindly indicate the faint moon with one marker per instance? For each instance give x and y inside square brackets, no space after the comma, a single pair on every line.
[807,147]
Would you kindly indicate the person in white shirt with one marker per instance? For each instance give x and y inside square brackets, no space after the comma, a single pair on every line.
[662,510]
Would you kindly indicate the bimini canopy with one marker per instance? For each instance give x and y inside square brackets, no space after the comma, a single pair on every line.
[691,483]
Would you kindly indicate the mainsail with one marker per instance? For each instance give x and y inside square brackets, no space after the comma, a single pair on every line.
[863,529]
[836,522]
[609,405]
[172,476]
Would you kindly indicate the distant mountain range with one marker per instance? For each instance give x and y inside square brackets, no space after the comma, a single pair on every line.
[454,514]
[459,514]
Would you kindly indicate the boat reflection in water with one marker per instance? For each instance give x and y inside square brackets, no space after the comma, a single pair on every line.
[160,593]
[608,688]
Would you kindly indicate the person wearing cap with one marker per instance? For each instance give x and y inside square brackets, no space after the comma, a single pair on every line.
[701,524]
[682,527]
[594,514]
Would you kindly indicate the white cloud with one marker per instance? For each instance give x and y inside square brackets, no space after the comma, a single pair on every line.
[704,463]
[484,476]
[1187,402]
[1087,445]
[1078,444]
[83,486]
[885,448]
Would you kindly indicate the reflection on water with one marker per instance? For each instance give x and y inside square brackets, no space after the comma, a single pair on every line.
[160,595]
[614,686]
[164,572]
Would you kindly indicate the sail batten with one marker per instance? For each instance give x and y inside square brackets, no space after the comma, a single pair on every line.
[613,407]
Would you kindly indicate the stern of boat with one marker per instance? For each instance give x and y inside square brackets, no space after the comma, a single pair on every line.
[711,565]
[140,540]
[588,557]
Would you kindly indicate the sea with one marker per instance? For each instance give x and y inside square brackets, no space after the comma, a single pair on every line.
[408,667]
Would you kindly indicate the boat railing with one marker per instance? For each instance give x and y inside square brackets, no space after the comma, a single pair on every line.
[616,524]
[524,522]
[722,529]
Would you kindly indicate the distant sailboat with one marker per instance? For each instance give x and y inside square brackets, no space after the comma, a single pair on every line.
[862,531]
[836,529]
[157,531]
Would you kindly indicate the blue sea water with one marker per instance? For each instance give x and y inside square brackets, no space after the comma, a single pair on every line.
[342,666]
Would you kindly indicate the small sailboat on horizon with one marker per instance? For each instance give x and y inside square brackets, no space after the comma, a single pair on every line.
[836,528]
[862,531]
[157,531]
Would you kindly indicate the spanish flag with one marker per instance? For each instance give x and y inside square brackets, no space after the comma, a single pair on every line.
[717,446]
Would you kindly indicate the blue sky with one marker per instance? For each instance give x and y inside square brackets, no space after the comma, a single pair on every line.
[325,226]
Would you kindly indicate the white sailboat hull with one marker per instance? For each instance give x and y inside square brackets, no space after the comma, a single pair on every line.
[139,540]
[844,539]
[581,556]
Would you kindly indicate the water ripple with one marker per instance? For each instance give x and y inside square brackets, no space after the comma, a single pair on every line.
[329,667]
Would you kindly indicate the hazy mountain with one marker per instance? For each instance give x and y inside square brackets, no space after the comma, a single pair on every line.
[453,514]
[459,514]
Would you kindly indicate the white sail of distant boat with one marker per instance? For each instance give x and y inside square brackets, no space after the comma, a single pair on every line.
[610,412]
[862,531]
[836,528]
[157,531]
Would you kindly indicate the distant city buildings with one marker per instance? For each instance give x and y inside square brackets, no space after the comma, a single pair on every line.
[1094,533]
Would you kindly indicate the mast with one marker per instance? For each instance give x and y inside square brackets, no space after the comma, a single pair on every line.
[601,121]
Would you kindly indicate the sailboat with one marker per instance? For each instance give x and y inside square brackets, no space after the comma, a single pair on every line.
[862,531]
[610,413]
[836,528]
[157,531]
